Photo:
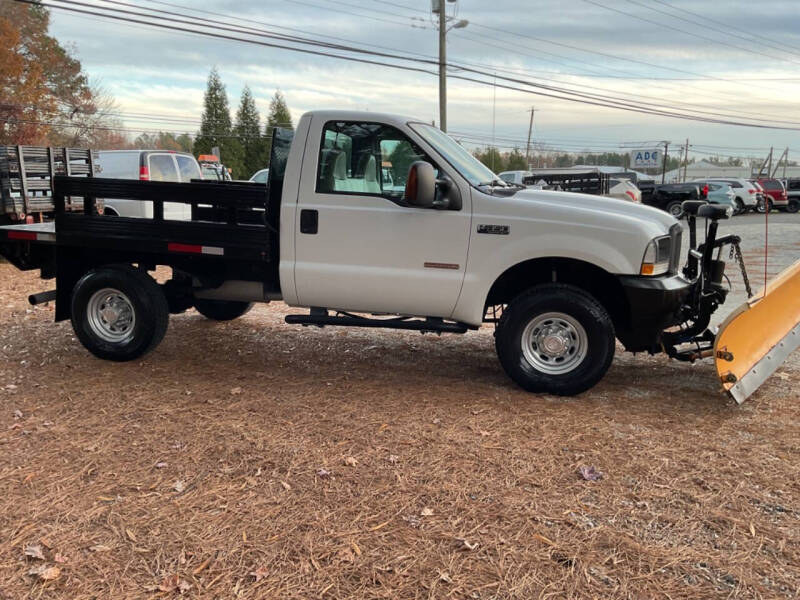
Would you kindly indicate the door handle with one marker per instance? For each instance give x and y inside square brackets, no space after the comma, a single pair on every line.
[309,221]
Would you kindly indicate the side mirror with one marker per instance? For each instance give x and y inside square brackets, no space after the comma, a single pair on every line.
[421,185]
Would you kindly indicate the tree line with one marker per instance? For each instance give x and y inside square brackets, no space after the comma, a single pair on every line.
[45,97]
[243,144]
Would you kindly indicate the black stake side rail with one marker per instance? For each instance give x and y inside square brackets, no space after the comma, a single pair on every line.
[233,233]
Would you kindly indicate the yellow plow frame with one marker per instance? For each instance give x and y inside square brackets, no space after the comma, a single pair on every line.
[759,335]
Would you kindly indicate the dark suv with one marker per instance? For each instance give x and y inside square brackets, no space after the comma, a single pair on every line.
[793,191]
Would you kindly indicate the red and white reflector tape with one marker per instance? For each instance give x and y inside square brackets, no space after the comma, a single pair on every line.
[195,249]
[32,236]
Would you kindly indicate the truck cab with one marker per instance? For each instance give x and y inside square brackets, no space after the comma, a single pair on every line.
[467,246]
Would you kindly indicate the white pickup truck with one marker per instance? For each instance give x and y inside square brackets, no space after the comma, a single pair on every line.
[445,248]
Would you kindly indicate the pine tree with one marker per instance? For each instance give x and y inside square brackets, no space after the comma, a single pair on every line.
[215,126]
[248,132]
[279,116]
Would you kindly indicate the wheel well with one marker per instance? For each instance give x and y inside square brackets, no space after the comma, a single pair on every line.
[601,284]
[110,212]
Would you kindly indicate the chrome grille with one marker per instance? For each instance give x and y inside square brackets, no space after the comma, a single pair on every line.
[676,236]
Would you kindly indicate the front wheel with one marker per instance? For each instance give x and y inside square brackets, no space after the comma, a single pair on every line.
[794,206]
[555,338]
[119,313]
[760,206]
[221,310]
[675,208]
[740,207]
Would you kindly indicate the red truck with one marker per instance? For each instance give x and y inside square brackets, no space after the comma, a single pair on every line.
[775,193]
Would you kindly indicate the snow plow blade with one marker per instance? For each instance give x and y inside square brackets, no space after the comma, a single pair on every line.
[759,335]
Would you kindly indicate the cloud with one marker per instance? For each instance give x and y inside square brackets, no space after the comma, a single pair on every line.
[164,73]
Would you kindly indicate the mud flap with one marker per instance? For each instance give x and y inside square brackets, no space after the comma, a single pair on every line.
[759,335]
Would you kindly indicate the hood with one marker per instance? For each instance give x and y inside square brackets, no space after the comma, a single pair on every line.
[603,206]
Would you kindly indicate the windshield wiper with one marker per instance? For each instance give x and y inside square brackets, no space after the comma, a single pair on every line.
[493,183]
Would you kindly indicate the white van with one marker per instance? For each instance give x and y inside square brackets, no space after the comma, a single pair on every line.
[147,165]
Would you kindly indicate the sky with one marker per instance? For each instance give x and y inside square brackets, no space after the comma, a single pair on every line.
[731,59]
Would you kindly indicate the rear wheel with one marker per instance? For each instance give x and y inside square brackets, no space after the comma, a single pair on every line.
[222,310]
[675,208]
[794,206]
[119,313]
[555,338]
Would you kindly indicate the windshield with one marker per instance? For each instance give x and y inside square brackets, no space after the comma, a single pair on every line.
[462,161]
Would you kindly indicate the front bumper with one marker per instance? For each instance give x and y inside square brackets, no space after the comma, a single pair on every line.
[654,305]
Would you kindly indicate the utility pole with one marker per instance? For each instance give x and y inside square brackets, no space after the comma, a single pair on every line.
[528,147]
[769,168]
[664,164]
[784,155]
[685,159]
[438,8]
[442,68]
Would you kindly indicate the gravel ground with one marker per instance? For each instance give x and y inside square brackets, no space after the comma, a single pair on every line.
[256,460]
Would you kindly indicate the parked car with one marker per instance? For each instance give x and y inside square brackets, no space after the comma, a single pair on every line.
[260,176]
[722,193]
[793,192]
[776,196]
[514,176]
[670,196]
[746,194]
[147,165]
[213,169]
[624,190]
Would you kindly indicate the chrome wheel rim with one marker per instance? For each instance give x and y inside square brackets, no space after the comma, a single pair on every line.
[554,343]
[111,316]
[676,210]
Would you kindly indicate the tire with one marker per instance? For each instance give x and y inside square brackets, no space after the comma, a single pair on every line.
[222,310]
[760,206]
[576,325]
[740,207]
[793,207]
[675,208]
[119,313]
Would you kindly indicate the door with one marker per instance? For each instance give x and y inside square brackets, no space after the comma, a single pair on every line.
[358,245]
[162,167]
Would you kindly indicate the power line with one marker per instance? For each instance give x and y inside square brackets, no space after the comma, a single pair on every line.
[683,32]
[295,39]
[761,39]
[734,113]
[551,91]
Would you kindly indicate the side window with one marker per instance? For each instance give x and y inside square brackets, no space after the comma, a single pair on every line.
[162,168]
[188,168]
[365,158]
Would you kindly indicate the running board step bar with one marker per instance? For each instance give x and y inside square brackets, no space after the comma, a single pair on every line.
[429,325]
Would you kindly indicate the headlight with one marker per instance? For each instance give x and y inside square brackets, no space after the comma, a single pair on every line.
[657,256]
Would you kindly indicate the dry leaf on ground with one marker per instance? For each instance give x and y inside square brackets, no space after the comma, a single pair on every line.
[589,473]
[259,573]
[45,573]
[350,461]
[34,551]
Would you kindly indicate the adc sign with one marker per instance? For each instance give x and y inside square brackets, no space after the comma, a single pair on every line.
[645,159]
